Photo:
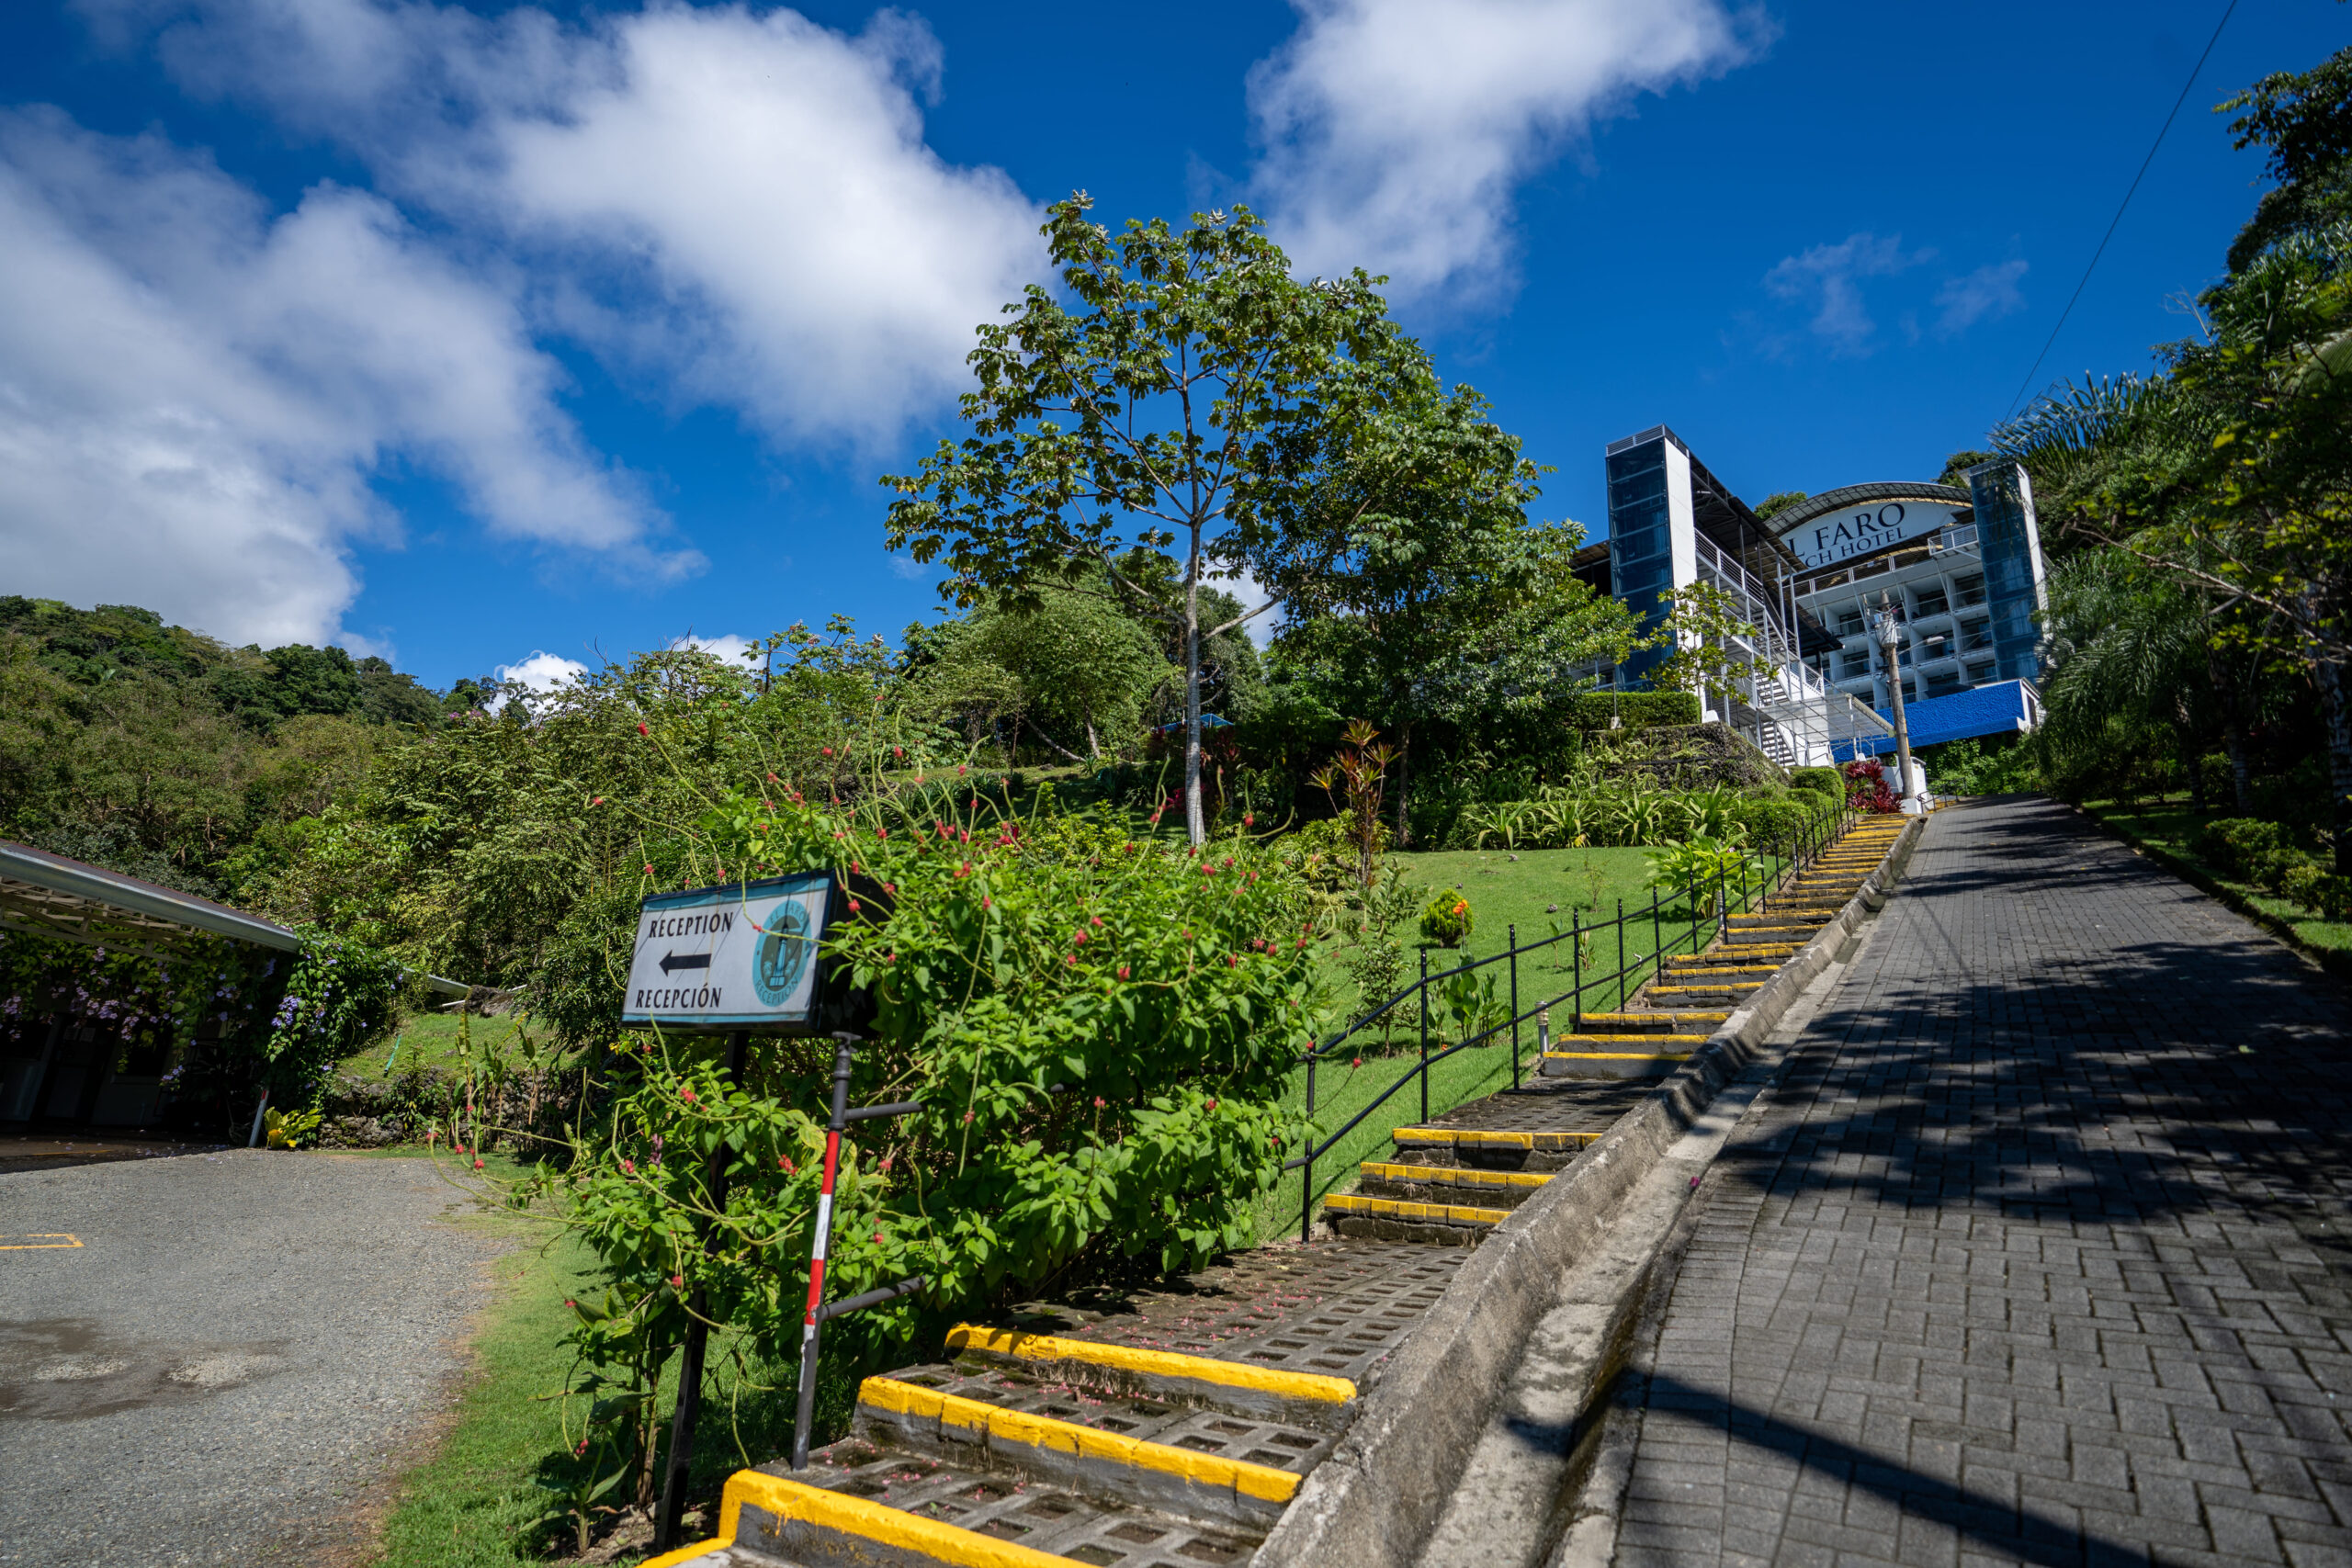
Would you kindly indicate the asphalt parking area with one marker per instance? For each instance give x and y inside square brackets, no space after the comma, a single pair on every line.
[236,1347]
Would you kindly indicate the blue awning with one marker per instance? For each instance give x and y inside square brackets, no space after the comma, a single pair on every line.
[2004,707]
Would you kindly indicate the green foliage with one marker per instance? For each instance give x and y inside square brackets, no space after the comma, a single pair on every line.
[1821,781]
[2249,849]
[338,998]
[1698,865]
[1633,710]
[1446,920]
[1159,414]
[1705,629]
[1779,500]
[2303,120]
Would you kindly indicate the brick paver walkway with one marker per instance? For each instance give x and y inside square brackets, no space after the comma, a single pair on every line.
[2036,1252]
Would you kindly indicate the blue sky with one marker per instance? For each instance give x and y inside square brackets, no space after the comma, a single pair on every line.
[471,336]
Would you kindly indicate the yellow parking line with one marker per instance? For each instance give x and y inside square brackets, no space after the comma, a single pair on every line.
[39,1241]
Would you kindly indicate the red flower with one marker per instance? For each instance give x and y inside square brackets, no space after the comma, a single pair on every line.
[828,750]
[1248,820]
[878,1238]
[1358,1062]
[773,779]
[642,730]
[677,1281]
[885,1161]
[1233,961]
[628,1168]
[598,801]
[1095,919]
[897,750]
[649,871]
[967,1118]
[1100,1103]
[1211,1106]
[854,870]
[883,834]
[477,1165]
[783,1163]
[891,889]
[965,869]
[1079,937]
[1123,971]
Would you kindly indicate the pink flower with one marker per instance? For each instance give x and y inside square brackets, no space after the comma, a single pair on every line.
[1079,937]
[628,1168]
[853,905]
[967,1118]
[1123,971]
[885,1161]
[878,1238]
[687,1094]
[1099,1102]
[677,1281]
[649,871]
[477,1165]
[963,870]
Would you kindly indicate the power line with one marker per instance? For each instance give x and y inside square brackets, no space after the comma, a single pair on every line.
[2151,158]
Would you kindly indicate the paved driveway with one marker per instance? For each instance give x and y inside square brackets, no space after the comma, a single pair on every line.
[240,1344]
[2040,1250]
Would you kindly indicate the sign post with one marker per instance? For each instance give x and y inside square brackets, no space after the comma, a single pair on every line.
[730,959]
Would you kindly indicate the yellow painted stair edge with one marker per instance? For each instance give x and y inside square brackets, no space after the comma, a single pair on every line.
[1397,1208]
[1002,1426]
[1478,1135]
[876,1522]
[1454,1174]
[1617,1056]
[1151,1363]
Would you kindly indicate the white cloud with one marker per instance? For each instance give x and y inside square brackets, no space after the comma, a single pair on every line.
[1396,132]
[1827,279]
[194,396]
[738,204]
[1989,293]
[542,673]
[729,649]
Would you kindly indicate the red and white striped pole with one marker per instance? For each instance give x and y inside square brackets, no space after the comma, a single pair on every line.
[815,1317]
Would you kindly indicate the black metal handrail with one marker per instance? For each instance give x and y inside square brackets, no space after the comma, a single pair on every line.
[1804,846]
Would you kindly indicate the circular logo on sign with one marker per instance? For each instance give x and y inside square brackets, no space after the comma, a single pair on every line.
[783,954]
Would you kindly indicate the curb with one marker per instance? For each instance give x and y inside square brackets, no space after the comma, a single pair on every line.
[1376,1501]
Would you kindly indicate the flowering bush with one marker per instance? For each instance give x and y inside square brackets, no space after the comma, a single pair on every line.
[1447,920]
[1867,789]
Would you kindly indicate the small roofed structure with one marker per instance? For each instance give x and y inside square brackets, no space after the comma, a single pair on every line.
[74,1062]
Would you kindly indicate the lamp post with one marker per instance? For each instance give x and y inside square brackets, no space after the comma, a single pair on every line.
[1889,636]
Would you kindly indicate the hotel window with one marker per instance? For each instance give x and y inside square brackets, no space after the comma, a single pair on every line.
[1932,602]
[1974,635]
[1942,686]
[1850,623]
[1971,588]
[1979,673]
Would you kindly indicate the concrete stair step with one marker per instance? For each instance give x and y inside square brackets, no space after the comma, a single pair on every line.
[1396,1219]
[1481,1148]
[1659,1022]
[1450,1184]
[1307,1401]
[1621,1063]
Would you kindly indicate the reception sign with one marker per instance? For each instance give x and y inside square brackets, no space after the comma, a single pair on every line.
[740,956]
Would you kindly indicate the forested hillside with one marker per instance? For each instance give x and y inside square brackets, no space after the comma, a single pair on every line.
[167,754]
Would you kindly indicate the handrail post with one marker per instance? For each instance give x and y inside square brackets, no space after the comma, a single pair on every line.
[1425,1035]
[1576,970]
[1306,1171]
[1658,933]
[1511,932]
[1620,1004]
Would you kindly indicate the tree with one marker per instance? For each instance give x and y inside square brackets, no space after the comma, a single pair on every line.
[1152,415]
[2232,471]
[1417,586]
[1778,502]
[1077,664]
[2305,122]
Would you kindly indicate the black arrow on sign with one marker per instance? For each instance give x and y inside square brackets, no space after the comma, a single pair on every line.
[685,961]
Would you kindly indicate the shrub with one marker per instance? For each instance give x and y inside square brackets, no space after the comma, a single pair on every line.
[2249,848]
[1636,710]
[1821,781]
[1447,920]
[2317,889]
[1773,823]
[1866,786]
[1697,865]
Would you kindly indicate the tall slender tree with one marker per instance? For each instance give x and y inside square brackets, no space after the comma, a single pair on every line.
[1151,412]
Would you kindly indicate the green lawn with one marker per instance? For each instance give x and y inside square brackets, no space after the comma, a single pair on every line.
[430,1040]
[1502,890]
[2169,828]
